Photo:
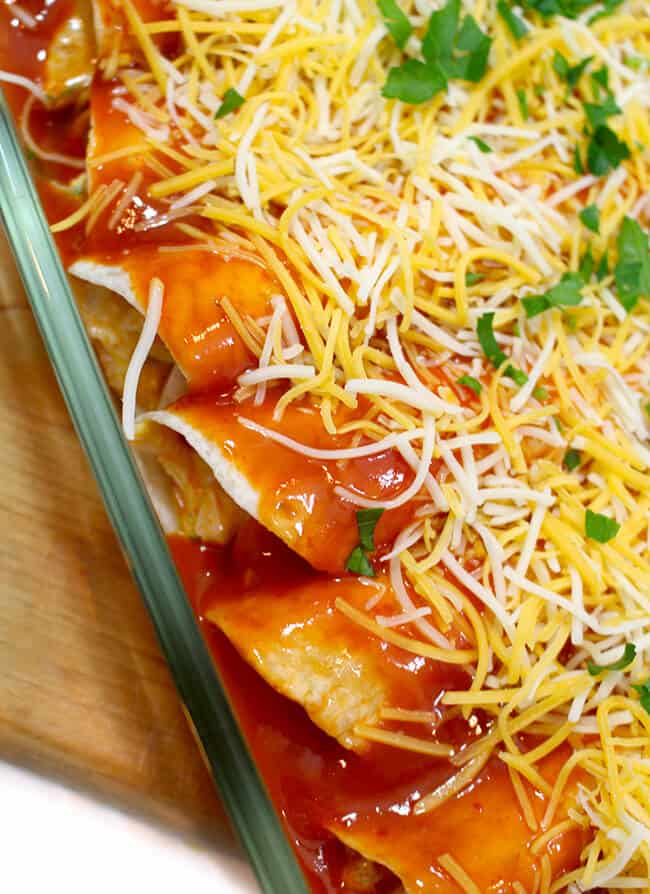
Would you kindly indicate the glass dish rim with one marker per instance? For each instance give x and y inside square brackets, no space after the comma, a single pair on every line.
[136,525]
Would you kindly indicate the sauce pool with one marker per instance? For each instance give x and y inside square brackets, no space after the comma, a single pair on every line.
[318,786]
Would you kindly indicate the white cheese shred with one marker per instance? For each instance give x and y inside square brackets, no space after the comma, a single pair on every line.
[139,357]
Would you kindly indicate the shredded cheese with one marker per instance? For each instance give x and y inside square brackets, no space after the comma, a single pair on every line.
[139,356]
[390,234]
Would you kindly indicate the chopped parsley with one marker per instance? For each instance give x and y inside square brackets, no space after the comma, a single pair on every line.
[578,166]
[451,50]
[632,271]
[590,216]
[603,268]
[461,52]
[600,79]
[366,523]
[358,561]
[571,459]
[518,376]
[492,350]
[605,151]
[483,146]
[628,656]
[397,23]
[598,113]
[472,278]
[567,293]
[414,82]
[644,694]
[516,26]
[569,9]
[488,342]
[441,31]
[523,104]
[586,267]
[471,382]
[599,527]
[569,73]
[231,101]
[540,393]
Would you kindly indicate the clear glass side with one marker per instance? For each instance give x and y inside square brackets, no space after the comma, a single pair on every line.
[135,523]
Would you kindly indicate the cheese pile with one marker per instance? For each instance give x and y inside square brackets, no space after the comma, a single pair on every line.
[392,230]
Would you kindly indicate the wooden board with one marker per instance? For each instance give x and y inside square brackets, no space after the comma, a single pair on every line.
[84,691]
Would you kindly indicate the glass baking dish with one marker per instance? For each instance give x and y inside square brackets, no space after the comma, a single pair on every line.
[136,525]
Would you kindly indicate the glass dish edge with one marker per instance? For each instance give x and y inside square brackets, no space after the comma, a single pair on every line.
[135,524]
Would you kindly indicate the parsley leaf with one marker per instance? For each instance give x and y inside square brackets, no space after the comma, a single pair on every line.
[609,6]
[471,382]
[571,460]
[414,82]
[523,104]
[599,527]
[441,32]
[481,144]
[632,272]
[366,523]
[540,393]
[492,350]
[549,8]
[359,563]
[443,40]
[487,340]
[535,305]
[605,151]
[569,73]
[590,216]
[565,293]
[448,51]
[472,278]
[399,27]
[516,26]
[231,101]
[628,656]
[600,78]
[476,46]
[644,694]
[517,375]
[603,268]
[598,113]
[578,166]
[586,265]
[560,65]
[570,9]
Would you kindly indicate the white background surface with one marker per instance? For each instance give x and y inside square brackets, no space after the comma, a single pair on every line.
[53,839]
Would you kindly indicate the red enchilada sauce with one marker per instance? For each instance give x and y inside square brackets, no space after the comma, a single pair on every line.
[298,495]
[23,50]
[317,786]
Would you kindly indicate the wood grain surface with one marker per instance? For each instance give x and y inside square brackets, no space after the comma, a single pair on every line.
[84,691]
